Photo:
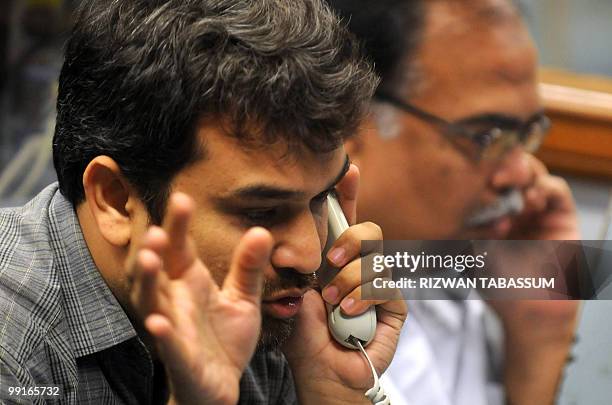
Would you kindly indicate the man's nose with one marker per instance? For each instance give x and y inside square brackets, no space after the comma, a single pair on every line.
[299,245]
[513,171]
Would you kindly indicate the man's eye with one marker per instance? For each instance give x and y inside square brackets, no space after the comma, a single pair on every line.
[260,216]
[486,138]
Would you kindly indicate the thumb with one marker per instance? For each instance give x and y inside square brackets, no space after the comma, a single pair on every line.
[313,313]
[310,333]
[251,257]
[347,190]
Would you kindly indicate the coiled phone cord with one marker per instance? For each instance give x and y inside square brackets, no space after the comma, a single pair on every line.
[376,394]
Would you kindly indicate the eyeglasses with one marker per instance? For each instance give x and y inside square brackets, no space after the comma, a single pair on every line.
[491,144]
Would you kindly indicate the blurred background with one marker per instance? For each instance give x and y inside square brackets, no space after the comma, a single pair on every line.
[574,40]
[32,34]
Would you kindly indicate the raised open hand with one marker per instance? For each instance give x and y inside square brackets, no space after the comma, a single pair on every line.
[205,334]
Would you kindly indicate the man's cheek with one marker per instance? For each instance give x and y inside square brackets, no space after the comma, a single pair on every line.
[321,224]
[217,259]
[215,245]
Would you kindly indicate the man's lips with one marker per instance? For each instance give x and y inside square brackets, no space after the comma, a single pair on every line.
[284,304]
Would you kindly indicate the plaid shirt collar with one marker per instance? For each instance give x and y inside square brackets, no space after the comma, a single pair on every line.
[95,318]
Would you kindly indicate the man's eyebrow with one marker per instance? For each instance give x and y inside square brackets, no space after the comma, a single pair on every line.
[496,119]
[267,192]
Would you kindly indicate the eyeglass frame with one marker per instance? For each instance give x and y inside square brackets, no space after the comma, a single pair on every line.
[448,129]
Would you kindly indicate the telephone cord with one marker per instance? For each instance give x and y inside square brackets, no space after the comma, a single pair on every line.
[376,394]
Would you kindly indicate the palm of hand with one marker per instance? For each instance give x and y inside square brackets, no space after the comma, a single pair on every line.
[216,335]
[205,335]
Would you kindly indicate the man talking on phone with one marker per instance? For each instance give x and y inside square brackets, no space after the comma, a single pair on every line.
[195,146]
[447,154]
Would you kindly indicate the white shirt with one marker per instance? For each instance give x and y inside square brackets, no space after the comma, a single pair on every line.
[444,356]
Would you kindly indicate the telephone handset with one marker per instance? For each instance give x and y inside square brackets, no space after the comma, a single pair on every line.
[353,332]
[345,329]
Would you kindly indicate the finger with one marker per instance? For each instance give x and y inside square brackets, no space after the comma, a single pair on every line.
[549,193]
[251,257]
[144,273]
[351,276]
[535,201]
[392,314]
[367,295]
[347,190]
[167,340]
[558,193]
[154,239]
[310,329]
[146,288]
[539,169]
[348,246]
[181,253]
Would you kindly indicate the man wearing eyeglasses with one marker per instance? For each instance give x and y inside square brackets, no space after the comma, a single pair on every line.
[447,155]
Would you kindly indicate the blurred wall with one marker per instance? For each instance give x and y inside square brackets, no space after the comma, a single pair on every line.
[32,33]
[573,34]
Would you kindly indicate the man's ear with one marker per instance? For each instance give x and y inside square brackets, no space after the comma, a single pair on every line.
[110,200]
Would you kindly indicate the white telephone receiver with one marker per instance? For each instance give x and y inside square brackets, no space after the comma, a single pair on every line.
[353,332]
[345,329]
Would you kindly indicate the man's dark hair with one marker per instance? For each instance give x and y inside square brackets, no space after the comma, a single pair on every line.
[390,32]
[140,76]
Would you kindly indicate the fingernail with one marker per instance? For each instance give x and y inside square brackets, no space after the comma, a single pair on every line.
[347,305]
[336,255]
[330,294]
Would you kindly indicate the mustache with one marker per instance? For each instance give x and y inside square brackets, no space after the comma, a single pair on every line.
[288,279]
[509,203]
